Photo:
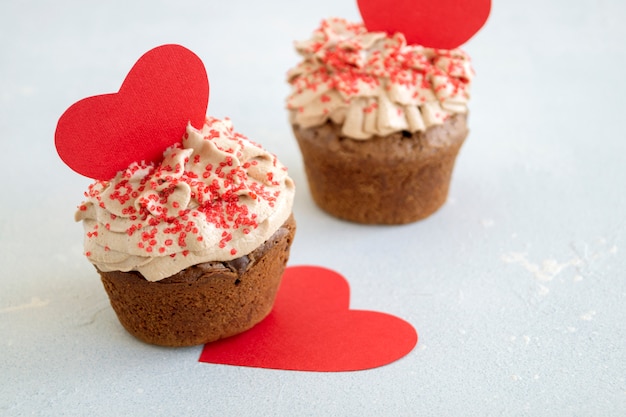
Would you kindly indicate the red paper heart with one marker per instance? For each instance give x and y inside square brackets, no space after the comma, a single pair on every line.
[311,328]
[444,24]
[166,89]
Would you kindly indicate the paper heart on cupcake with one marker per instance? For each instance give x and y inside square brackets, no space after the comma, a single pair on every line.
[442,24]
[166,89]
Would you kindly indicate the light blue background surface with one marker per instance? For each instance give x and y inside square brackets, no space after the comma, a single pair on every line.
[516,286]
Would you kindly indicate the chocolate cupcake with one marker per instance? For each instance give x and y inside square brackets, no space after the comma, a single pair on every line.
[379,123]
[192,249]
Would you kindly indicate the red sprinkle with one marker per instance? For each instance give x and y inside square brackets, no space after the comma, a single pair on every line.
[151,204]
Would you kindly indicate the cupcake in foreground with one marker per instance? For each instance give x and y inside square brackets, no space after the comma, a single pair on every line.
[192,250]
[379,122]
[191,246]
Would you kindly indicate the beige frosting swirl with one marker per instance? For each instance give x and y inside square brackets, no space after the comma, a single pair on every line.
[373,83]
[215,197]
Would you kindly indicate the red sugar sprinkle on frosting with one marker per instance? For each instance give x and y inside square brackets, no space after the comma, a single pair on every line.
[344,65]
[206,193]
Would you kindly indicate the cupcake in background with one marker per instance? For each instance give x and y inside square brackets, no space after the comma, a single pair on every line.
[379,122]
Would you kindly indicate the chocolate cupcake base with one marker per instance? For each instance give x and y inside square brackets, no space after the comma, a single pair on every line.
[205,302]
[396,179]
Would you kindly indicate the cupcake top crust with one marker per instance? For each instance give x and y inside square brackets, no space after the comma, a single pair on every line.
[215,196]
[373,83]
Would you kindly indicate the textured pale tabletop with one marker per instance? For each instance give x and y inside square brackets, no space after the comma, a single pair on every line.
[516,286]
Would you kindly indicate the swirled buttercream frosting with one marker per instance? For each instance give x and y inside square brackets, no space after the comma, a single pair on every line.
[373,83]
[215,196]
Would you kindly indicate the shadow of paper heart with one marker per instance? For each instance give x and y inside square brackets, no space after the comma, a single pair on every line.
[311,328]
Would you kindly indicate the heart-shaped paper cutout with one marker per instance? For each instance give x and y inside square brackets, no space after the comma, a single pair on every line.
[443,24]
[165,89]
[311,328]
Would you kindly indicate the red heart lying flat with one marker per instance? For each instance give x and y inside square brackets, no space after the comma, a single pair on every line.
[166,89]
[311,328]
